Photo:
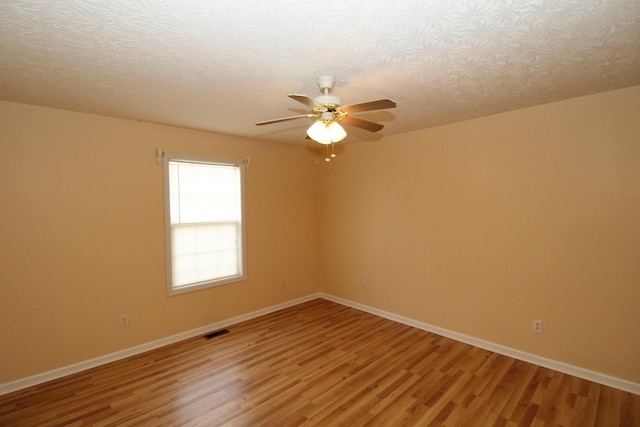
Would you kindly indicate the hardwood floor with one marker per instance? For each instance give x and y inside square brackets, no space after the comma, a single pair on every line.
[320,364]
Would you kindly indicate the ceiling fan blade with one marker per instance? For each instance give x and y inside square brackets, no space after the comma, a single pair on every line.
[308,102]
[361,123]
[378,104]
[284,119]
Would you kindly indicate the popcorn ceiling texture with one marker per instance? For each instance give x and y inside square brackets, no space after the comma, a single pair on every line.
[224,65]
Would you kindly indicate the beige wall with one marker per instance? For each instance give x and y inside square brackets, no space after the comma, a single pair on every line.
[482,226]
[478,227]
[82,235]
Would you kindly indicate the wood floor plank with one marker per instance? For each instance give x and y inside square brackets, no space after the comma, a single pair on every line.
[320,364]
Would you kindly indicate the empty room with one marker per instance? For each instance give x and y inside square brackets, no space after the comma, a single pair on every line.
[303,213]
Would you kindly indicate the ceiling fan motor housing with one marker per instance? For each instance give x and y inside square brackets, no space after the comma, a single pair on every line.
[329,101]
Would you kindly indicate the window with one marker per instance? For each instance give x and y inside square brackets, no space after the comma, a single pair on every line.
[204,226]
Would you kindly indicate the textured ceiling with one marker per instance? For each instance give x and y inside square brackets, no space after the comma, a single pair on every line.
[225,65]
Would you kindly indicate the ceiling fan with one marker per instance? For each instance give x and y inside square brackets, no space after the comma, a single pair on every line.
[329,112]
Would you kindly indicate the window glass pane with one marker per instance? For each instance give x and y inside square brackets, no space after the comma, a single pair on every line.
[204,222]
[204,193]
[204,251]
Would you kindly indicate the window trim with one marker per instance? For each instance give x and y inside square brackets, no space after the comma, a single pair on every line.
[166,159]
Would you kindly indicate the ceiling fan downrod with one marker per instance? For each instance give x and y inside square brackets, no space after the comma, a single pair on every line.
[325,83]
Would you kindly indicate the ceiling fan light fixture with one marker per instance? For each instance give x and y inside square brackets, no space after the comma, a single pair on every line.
[326,131]
[337,132]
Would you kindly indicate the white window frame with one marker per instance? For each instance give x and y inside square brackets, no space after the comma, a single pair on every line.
[167,158]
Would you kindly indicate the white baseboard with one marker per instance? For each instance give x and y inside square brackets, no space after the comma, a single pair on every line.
[586,374]
[132,351]
[597,377]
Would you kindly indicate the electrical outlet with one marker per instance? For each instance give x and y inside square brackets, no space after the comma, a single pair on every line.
[365,285]
[283,283]
[124,320]
[537,326]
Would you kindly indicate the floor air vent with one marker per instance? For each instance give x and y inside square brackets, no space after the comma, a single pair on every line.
[216,333]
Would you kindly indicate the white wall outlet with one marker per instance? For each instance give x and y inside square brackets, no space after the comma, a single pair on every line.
[283,283]
[537,326]
[124,320]
[365,285]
